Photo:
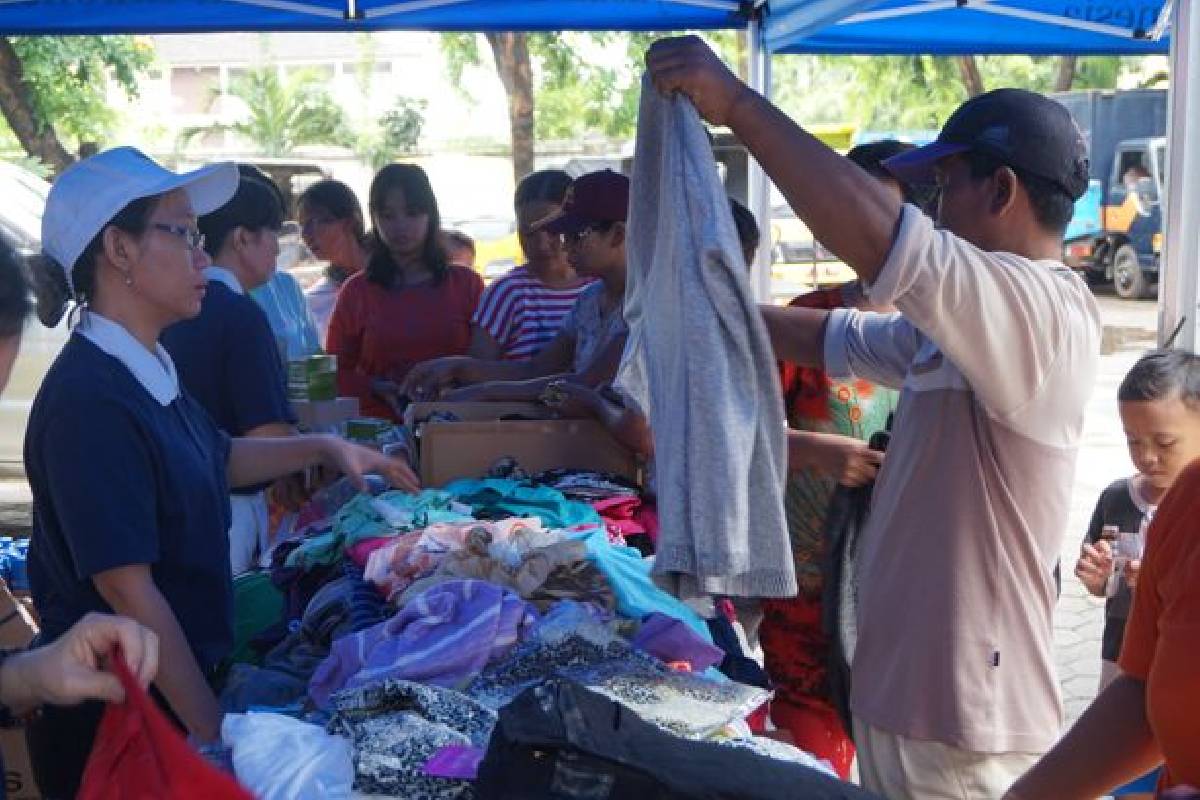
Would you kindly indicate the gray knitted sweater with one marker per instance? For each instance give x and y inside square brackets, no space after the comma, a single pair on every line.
[698,362]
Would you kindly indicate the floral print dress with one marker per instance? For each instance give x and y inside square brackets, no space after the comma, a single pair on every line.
[795,646]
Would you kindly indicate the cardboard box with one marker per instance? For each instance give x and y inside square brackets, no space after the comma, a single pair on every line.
[469,447]
[16,631]
[18,772]
[322,415]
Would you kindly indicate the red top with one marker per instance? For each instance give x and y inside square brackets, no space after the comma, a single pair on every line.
[382,333]
[1162,639]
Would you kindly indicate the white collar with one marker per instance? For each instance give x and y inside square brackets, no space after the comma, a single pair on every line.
[154,371]
[225,276]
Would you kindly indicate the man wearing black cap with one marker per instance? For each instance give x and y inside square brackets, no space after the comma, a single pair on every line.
[996,348]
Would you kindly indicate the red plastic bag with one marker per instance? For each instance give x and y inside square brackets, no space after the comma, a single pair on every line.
[140,755]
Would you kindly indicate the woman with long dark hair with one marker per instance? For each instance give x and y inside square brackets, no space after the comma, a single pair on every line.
[408,305]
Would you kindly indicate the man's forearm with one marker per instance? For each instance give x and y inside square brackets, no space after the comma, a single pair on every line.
[846,209]
[1109,745]
[797,334]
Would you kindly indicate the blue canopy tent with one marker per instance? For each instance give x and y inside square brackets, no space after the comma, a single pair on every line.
[951,27]
[199,16]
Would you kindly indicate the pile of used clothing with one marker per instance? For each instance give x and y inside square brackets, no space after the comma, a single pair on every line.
[425,645]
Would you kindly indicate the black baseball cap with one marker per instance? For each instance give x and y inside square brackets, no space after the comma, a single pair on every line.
[1023,130]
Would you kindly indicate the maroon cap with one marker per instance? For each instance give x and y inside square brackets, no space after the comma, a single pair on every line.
[594,198]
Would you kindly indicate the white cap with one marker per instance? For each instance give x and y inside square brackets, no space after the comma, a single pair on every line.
[87,196]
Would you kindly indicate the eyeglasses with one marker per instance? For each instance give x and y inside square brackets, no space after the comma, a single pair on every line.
[191,236]
[575,237]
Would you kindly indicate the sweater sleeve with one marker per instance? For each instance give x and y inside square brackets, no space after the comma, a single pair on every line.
[1023,333]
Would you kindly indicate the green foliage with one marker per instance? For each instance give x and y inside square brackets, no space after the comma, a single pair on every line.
[68,79]
[283,113]
[398,132]
[914,92]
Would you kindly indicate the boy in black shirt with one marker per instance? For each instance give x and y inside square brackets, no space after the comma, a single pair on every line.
[1160,411]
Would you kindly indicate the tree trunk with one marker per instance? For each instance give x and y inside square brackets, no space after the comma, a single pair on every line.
[969,70]
[1065,78]
[511,51]
[36,135]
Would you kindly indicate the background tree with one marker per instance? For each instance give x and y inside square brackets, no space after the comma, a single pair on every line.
[918,92]
[559,86]
[55,88]
[397,132]
[281,112]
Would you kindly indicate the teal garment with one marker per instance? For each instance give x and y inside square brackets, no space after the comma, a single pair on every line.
[364,518]
[323,548]
[287,311]
[628,576]
[257,605]
[496,498]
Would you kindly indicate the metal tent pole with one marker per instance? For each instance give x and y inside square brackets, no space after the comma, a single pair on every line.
[1179,291]
[758,186]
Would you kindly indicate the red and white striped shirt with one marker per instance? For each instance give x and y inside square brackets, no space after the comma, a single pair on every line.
[523,314]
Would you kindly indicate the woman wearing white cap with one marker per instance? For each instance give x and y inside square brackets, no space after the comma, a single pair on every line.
[130,478]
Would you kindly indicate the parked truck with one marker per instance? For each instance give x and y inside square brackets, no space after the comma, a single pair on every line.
[1116,234]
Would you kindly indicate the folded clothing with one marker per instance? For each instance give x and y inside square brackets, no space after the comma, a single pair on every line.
[444,637]
[543,575]
[561,740]
[397,726]
[496,498]
[668,640]
[573,642]
[395,566]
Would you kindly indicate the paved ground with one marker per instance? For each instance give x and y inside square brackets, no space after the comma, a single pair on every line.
[1079,618]
[1103,458]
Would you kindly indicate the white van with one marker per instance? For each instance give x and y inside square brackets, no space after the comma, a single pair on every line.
[22,199]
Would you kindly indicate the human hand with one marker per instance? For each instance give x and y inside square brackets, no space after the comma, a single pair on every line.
[355,461]
[71,669]
[1132,568]
[850,461]
[569,400]
[1095,567]
[687,65]
[427,380]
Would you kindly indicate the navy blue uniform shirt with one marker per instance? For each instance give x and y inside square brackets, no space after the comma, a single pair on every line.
[228,360]
[126,469]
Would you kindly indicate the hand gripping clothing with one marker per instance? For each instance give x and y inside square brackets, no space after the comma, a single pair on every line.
[698,362]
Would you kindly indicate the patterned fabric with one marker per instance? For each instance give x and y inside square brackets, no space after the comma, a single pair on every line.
[444,637]
[816,402]
[572,643]
[793,641]
[397,726]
